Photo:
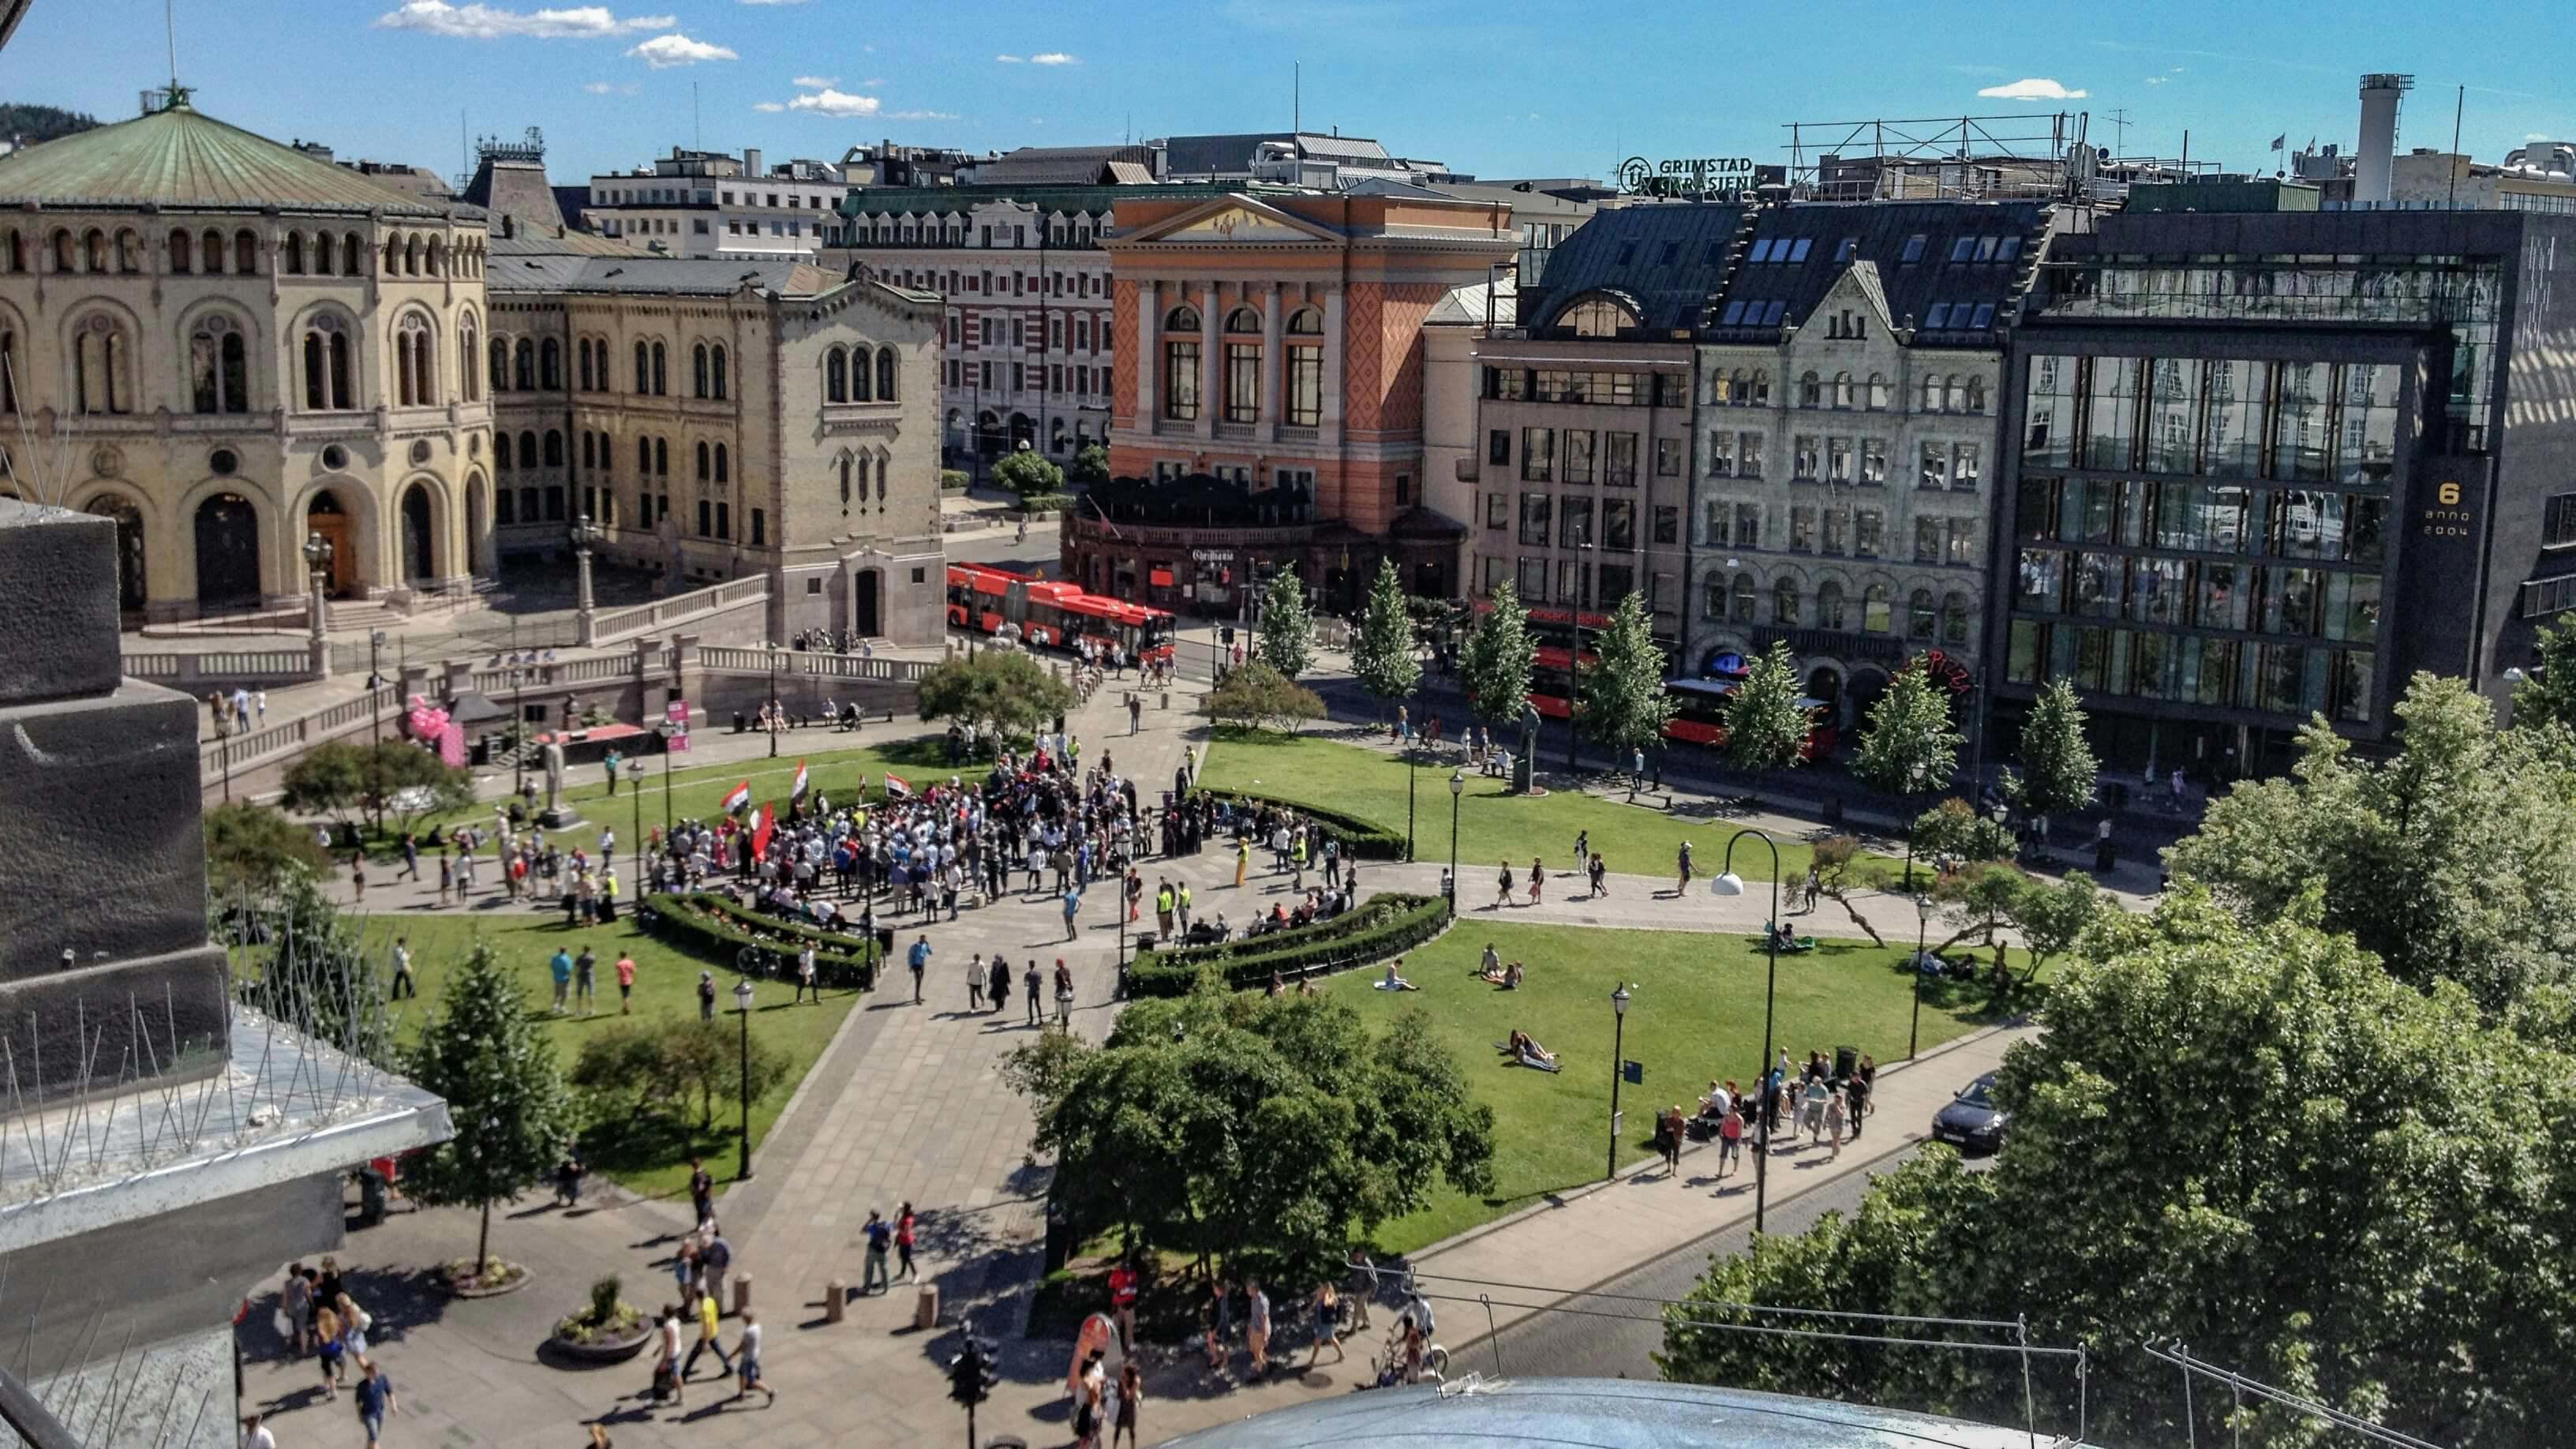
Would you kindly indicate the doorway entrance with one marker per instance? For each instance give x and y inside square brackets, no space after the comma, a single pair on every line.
[325,517]
[418,560]
[227,553]
[867,596]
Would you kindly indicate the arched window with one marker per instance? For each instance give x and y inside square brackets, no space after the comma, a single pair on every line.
[393,256]
[1877,392]
[724,384]
[406,393]
[643,456]
[1829,606]
[523,369]
[885,374]
[437,257]
[500,364]
[501,450]
[706,466]
[16,257]
[724,465]
[1784,602]
[1922,616]
[698,371]
[1762,387]
[1184,318]
[528,448]
[1811,393]
[1954,618]
[295,254]
[863,482]
[129,252]
[1182,359]
[1737,389]
[885,474]
[1931,402]
[550,365]
[836,376]
[94,250]
[643,367]
[218,366]
[1843,390]
[554,449]
[1977,394]
[210,251]
[845,482]
[245,253]
[661,457]
[1874,610]
[8,377]
[661,377]
[1306,322]
[1596,317]
[353,256]
[66,257]
[590,355]
[1740,605]
[411,256]
[1243,322]
[1954,394]
[860,391]
[589,451]
[102,366]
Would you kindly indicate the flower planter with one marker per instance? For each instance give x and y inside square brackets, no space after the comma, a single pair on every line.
[460,1284]
[603,1351]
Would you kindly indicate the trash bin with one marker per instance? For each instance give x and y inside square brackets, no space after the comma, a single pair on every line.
[740,725]
[371,1197]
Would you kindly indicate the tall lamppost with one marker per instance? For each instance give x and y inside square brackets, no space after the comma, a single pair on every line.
[1412,757]
[317,564]
[1922,928]
[375,682]
[584,536]
[635,793]
[1457,788]
[742,1008]
[774,652]
[1728,883]
[1618,1046]
[666,791]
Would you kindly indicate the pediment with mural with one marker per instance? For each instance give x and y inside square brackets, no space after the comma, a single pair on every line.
[1237,221]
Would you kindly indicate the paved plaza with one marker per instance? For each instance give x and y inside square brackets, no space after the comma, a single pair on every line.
[906,1104]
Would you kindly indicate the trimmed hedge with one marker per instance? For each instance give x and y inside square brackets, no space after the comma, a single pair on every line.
[713,928]
[1378,928]
[1361,839]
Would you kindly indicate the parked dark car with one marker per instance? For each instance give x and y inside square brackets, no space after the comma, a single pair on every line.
[1972,1122]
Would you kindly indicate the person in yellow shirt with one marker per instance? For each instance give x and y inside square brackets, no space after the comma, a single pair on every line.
[1242,860]
[708,1314]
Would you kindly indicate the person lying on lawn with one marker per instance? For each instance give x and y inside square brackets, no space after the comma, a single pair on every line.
[1525,1047]
[1507,977]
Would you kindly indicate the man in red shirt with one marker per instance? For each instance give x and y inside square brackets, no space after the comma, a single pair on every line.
[1122,1301]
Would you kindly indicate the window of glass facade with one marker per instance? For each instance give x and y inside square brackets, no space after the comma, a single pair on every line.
[1619,459]
[1537,512]
[1538,454]
[1579,445]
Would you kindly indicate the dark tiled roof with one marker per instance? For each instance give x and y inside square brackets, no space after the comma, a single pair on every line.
[516,189]
[1059,165]
[1663,260]
[1885,234]
[1232,153]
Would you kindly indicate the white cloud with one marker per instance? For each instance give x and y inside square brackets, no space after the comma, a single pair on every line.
[665,51]
[1010,59]
[485,22]
[1052,57]
[767,106]
[2535,135]
[921,115]
[817,82]
[871,83]
[599,88]
[2032,88]
[770,2]
[828,102]
[2157,80]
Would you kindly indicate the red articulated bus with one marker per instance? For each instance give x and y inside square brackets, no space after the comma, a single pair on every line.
[1052,615]
[1699,705]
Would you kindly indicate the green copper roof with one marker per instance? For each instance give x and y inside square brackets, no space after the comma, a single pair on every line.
[178,158]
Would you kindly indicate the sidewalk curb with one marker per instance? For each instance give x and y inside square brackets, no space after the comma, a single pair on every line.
[1652,1165]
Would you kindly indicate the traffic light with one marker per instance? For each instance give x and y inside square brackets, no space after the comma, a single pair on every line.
[1225,635]
[971,1378]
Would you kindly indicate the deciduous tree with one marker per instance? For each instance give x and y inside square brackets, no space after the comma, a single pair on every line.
[1001,689]
[1766,726]
[1621,704]
[1257,695]
[489,1061]
[2057,765]
[1382,653]
[1090,466]
[251,847]
[1496,664]
[1029,474]
[346,779]
[1287,629]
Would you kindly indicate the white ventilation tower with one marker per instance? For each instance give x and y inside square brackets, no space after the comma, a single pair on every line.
[2380,93]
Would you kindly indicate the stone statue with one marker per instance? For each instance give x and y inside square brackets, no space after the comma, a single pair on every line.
[1525,758]
[557,813]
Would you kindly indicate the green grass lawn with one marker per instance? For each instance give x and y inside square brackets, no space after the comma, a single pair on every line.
[1695,1015]
[1493,825]
[665,989]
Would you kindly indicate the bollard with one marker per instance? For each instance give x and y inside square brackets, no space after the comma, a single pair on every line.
[741,1293]
[925,1307]
[836,1297]
[1167,699]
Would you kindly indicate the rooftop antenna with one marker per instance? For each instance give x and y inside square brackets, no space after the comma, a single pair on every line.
[170,33]
[2459,106]
[1296,97]
[2120,130]
[697,142]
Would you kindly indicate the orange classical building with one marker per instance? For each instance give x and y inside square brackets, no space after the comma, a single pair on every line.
[1266,396]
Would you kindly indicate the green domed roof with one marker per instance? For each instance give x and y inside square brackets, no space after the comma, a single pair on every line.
[178,158]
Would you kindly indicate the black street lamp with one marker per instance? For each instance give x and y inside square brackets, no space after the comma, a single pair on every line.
[774,652]
[1922,927]
[375,682]
[742,1006]
[1728,883]
[666,789]
[1618,1046]
[1457,788]
[635,794]
[1411,758]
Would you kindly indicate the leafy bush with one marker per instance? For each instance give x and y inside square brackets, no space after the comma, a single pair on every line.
[1361,839]
[1027,472]
[251,847]
[628,1071]
[1260,697]
[952,479]
[1037,503]
[715,929]
[1380,927]
[607,1319]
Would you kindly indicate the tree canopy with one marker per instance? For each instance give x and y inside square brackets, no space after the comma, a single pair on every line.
[1620,699]
[1908,744]
[1382,652]
[347,778]
[251,847]
[2250,1138]
[495,1068]
[2057,765]
[1496,665]
[1287,629]
[1766,726]
[2455,859]
[1003,689]
[1257,695]
[1027,473]
[1090,465]
[1260,1131]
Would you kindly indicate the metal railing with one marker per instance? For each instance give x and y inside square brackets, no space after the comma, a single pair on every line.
[807,665]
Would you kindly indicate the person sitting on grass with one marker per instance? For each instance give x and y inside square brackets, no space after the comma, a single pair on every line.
[1494,970]
[1528,1052]
[1395,978]
[1782,938]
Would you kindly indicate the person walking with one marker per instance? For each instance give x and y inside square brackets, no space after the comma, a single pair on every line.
[1682,863]
[874,1276]
[1855,1102]
[295,1307]
[1503,887]
[358,875]
[702,1191]
[446,878]
[1030,981]
[560,967]
[710,1313]
[1815,888]
[410,857]
[1538,876]
[375,1394]
[975,978]
[747,1358]
[903,1246]
[1131,1388]
[327,1348]
[1328,1325]
[585,980]
[1072,908]
[403,984]
[255,1434]
[1001,983]
[1256,1333]
[1834,1119]
[918,958]
[1242,859]
[1363,1288]
[1582,849]
[1730,1140]
[666,1362]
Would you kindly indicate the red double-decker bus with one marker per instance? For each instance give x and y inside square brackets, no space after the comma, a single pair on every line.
[1052,615]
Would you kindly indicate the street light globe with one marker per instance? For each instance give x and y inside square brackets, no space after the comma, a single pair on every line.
[1619,1001]
[1923,906]
[1457,782]
[1729,884]
[742,994]
[2514,676]
[635,768]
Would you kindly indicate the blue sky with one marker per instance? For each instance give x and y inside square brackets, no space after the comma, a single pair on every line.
[1498,89]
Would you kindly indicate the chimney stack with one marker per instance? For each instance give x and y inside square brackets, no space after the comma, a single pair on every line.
[751,161]
[2380,94]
